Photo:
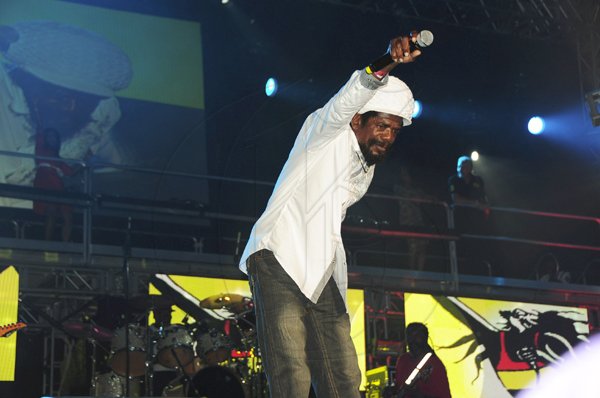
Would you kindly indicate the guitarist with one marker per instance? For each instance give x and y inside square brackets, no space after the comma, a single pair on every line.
[416,375]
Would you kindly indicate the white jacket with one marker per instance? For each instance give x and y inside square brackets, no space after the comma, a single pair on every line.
[324,174]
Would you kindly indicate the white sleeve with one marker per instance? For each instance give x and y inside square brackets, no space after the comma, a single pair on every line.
[324,124]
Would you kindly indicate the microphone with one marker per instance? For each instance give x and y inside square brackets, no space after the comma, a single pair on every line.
[424,39]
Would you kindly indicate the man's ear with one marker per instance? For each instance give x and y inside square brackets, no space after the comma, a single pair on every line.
[355,122]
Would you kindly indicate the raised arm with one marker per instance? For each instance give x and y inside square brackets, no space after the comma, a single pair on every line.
[324,124]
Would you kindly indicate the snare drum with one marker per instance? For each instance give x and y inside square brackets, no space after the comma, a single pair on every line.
[136,352]
[112,385]
[175,347]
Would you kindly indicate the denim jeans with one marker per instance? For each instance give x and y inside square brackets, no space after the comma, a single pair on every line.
[301,342]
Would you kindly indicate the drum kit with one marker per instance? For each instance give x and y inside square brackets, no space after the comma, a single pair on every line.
[205,358]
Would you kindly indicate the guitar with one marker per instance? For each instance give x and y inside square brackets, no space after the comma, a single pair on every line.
[9,329]
[422,375]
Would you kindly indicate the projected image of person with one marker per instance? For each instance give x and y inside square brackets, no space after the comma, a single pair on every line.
[49,175]
[431,380]
[295,257]
[57,76]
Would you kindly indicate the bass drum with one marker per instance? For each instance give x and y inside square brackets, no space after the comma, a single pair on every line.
[210,382]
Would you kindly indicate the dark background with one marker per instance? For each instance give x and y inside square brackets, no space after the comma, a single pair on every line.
[478,89]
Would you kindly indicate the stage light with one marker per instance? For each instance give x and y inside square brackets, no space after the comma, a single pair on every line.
[224,1]
[271,87]
[474,156]
[536,125]
[417,110]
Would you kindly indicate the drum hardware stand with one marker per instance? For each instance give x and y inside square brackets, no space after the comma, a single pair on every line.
[239,318]
[93,360]
[253,374]
[149,376]
[126,255]
[154,333]
[187,381]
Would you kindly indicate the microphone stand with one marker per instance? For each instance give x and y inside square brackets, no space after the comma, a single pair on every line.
[126,255]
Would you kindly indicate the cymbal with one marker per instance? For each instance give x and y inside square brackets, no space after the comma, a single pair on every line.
[150,302]
[88,330]
[231,301]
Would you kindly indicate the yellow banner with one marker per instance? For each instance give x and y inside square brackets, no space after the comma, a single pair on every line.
[9,301]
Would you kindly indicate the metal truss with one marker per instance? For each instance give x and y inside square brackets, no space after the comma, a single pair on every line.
[539,19]
[51,295]
[57,285]
[588,54]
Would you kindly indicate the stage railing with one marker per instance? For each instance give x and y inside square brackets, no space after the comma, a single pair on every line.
[499,232]
[214,214]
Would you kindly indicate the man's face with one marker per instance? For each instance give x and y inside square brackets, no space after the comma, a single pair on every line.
[416,340]
[466,168]
[61,108]
[376,135]
[52,139]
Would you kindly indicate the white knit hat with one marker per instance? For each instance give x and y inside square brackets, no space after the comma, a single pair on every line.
[394,98]
[70,57]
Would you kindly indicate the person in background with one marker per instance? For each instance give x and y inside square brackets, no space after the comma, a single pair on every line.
[411,215]
[471,215]
[466,187]
[548,270]
[431,381]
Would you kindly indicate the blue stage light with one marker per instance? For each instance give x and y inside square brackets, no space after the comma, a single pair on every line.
[536,125]
[271,87]
[418,109]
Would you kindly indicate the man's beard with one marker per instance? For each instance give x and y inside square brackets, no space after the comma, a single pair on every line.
[369,156]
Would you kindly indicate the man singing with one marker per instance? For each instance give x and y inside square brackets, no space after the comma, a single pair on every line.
[295,257]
